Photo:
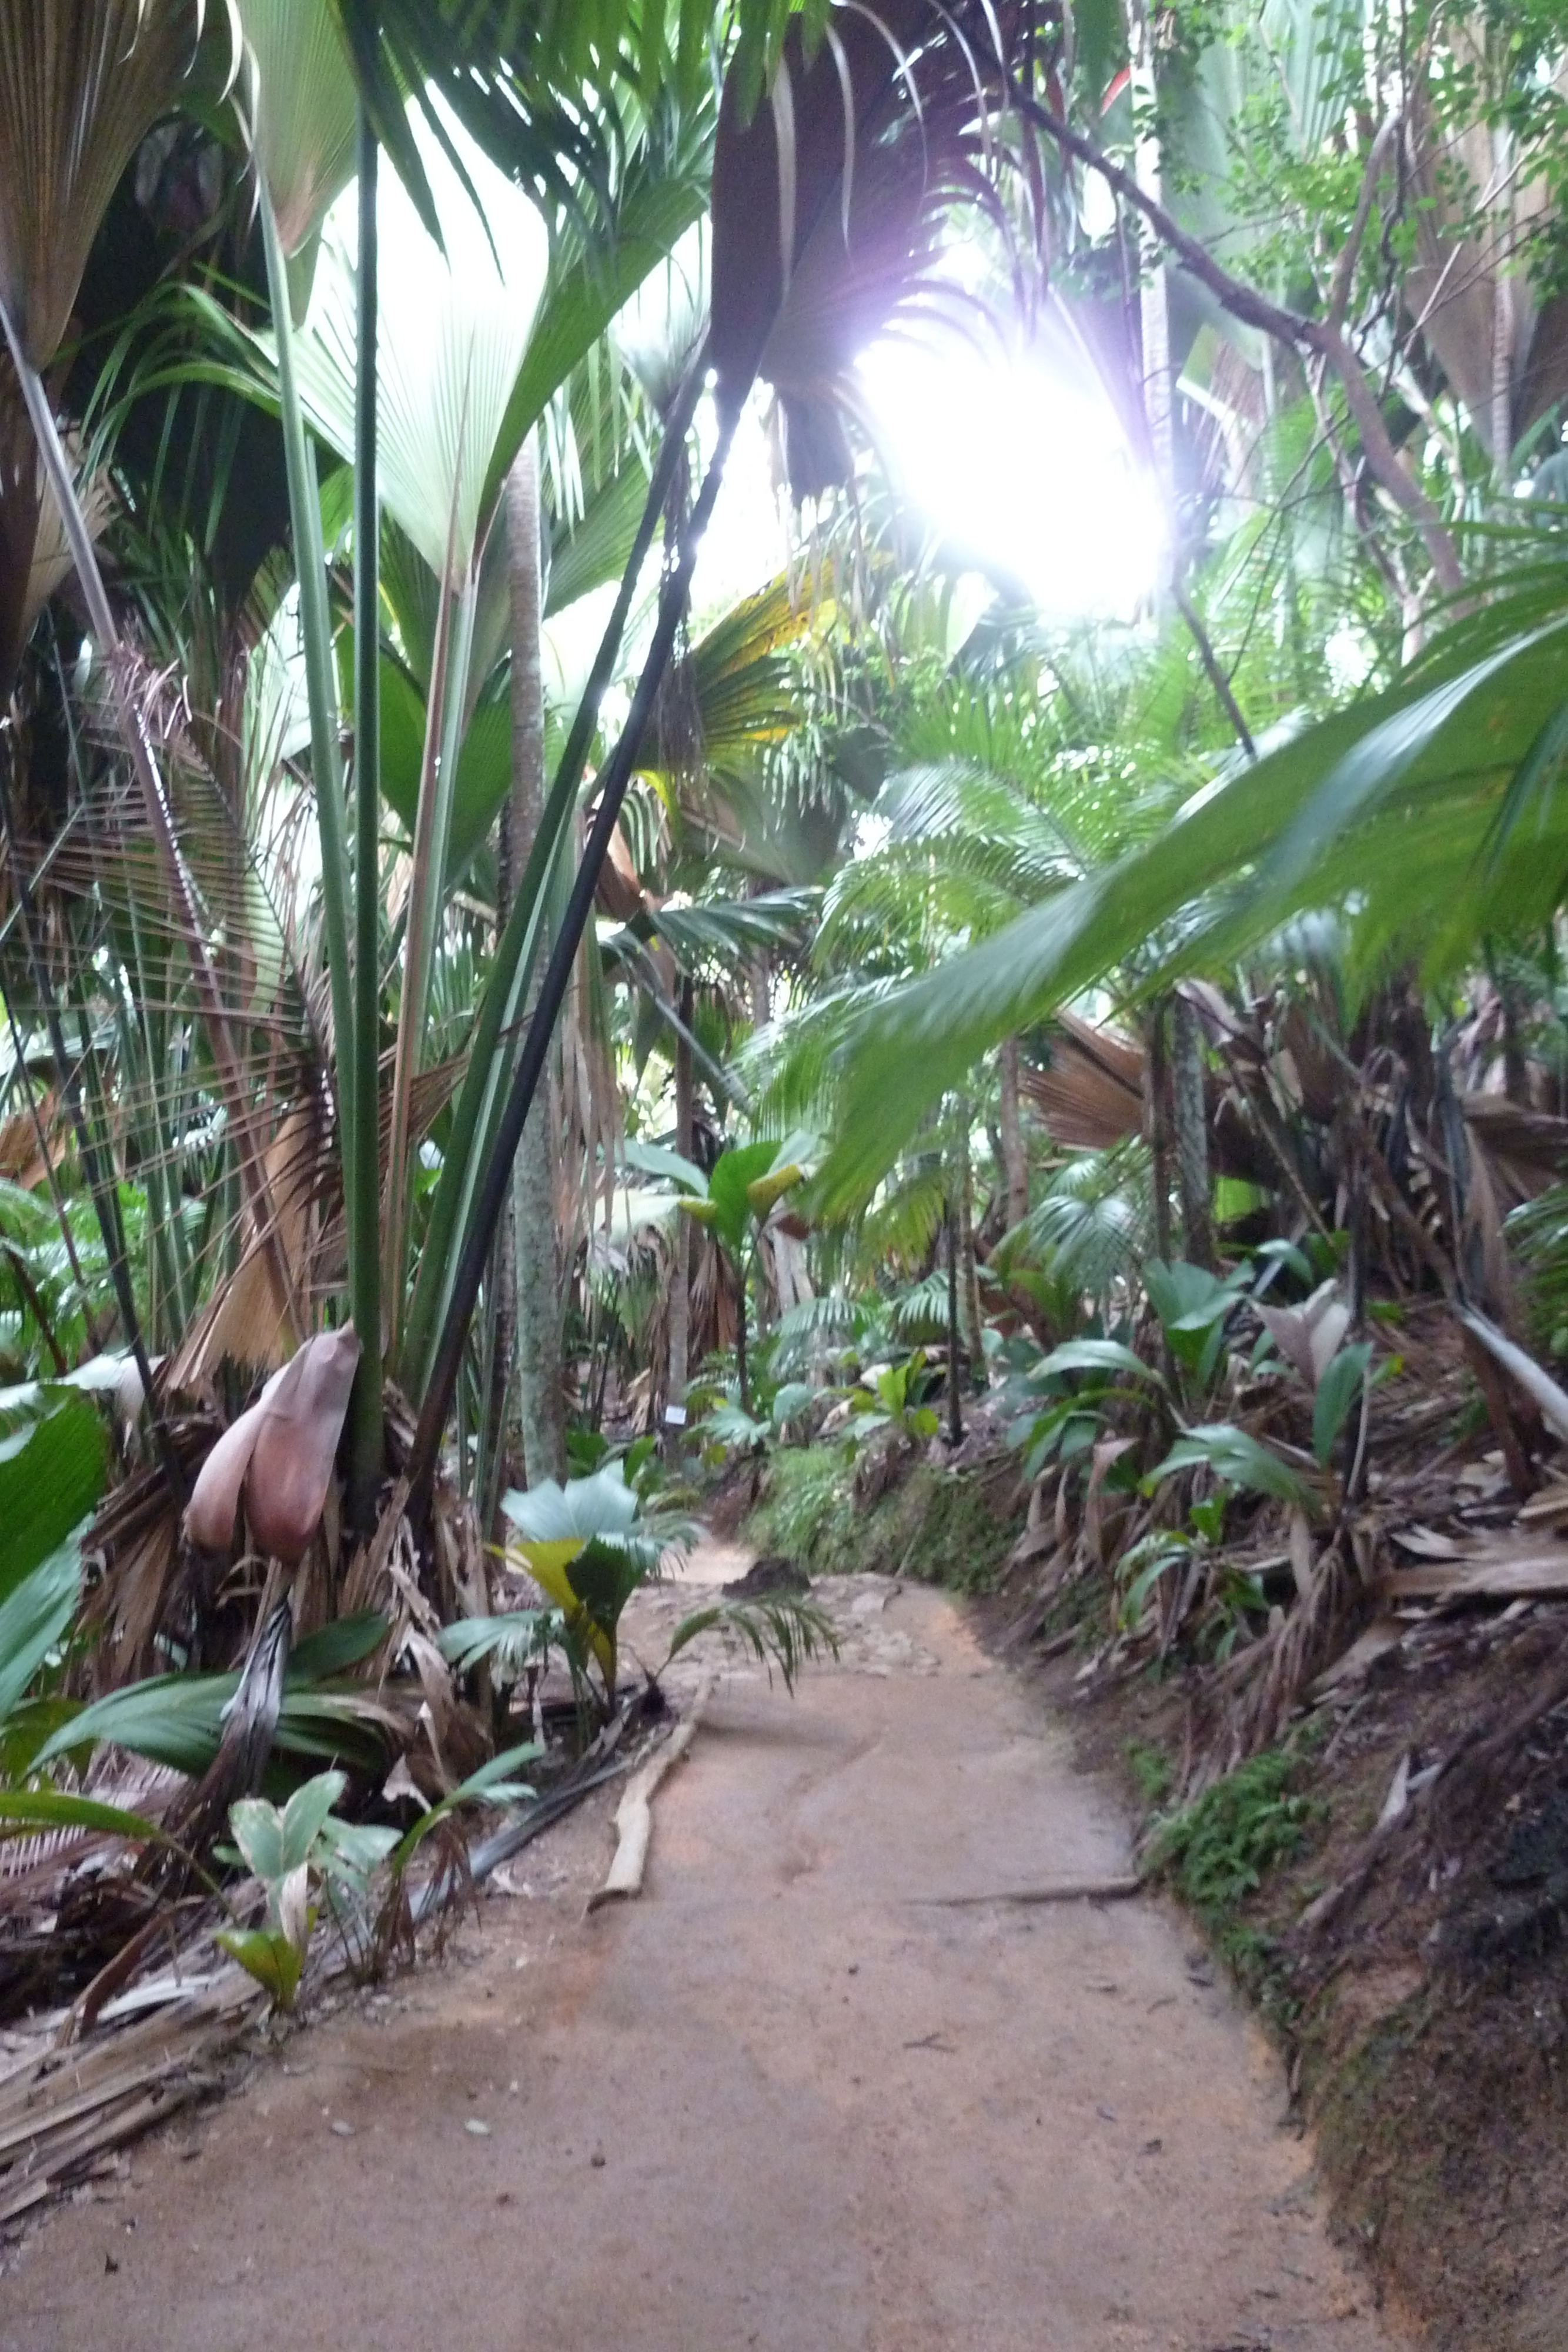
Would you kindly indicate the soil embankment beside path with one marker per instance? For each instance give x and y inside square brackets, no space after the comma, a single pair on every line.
[794,2098]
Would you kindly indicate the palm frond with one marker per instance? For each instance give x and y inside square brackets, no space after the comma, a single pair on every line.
[303,110]
[1440,795]
[782,1630]
[81,83]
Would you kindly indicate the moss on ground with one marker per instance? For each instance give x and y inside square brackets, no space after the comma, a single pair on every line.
[951,1527]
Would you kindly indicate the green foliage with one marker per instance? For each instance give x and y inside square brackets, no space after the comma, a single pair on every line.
[948,1529]
[1193,1307]
[782,1630]
[892,1403]
[1238,1459]
[1437,793]
[177,1719]
[51,1474]
[1151,1769]
[1538,1235]
[1221,1848]
[742,1186]
[1339,1390]
[281,1847]
[495,1783]
[508,1645]
[807,1510]
[586,1545]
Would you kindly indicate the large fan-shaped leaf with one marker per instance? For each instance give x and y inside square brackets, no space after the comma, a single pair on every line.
[304,110]
[81,83]
[453,330]
[602,1505]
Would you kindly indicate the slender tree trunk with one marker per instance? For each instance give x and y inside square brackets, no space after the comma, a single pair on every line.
[541,1373]
[1184,1069]
[1190,1122]
[1014,1158]
[968,1280]
[1511,1006]
[1157,1116]
[1504,319]
[740,1334]
[954,1413]
[681,1264]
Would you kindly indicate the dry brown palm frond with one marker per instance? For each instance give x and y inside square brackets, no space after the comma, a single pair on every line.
[1477,204]
[81,83]
[34,557]
[1092,1095]
[140,1584]
[111,890]
[1527,1149]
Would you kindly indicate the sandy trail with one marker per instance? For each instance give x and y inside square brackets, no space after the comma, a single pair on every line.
[783,2102]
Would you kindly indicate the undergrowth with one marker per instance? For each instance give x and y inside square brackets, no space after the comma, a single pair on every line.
[953,1528]
[1219,1851]
[1151,1768]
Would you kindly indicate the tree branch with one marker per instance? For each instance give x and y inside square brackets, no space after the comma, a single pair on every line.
[1254,309]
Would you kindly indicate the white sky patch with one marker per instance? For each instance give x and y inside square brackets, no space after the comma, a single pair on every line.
[747,542]
[1348,655]
[1016,456]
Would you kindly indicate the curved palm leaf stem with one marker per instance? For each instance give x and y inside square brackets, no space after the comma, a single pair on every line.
[432,833]
[105,1205]
[363,1170]
[321,692]
[85,560]
[475,1111]
[614,779]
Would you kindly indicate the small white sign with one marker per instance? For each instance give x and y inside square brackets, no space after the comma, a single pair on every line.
[675,1416]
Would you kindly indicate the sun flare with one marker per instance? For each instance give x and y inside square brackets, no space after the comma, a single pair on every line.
[1017,458]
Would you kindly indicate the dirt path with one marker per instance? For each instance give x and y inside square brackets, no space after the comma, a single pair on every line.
[784,2100]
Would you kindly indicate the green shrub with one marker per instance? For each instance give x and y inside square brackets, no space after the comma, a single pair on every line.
[1219,1849]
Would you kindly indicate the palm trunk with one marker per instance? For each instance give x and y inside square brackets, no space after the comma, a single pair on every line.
[1014,1158]
[680,1324]
[968,1279]
[1504,326]
[1154,295]
[540,1382]
[740,1334]
[954,1410]
[1189,1119]
[1157,1124]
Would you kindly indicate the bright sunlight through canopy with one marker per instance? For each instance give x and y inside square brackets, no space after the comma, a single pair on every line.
[1019,460]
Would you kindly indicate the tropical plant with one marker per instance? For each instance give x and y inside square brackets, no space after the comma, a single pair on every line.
[891,1401]
[588,1545]
[735,1201]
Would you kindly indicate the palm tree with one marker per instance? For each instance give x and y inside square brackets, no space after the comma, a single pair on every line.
[432,435]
